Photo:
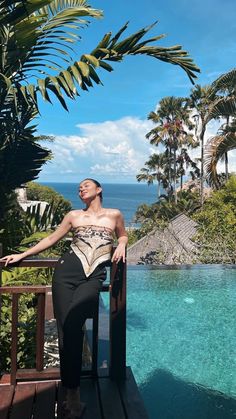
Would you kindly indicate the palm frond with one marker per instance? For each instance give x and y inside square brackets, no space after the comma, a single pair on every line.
[82,72]
[223,107]
[215,150]
[49,31]
[226,82]
[132,46]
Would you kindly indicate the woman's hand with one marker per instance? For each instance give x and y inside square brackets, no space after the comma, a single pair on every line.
[122,237]
[12,258]
[119,253]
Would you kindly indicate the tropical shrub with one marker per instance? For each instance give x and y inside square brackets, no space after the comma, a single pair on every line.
[217,225]
[26,332]
[36,225]
[38,192]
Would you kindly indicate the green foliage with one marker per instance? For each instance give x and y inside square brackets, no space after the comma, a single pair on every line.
[217,225]
[25,228]
[166,209]
[36,227]
[146,226]
[38,192]
[26,332]
[21,157]
[132,236]
[12,225]
[158,215]
[216,219]
[25,276]
[38,220]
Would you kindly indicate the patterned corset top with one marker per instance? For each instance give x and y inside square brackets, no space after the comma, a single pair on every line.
[93,245]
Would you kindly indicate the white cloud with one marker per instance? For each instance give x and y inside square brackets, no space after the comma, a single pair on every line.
[109,149]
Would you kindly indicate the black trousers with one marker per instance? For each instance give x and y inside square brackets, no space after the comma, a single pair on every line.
[75,298]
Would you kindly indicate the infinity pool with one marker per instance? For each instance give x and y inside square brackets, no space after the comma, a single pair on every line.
[181,340]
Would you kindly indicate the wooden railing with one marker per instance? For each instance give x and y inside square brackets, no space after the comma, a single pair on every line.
[117,322]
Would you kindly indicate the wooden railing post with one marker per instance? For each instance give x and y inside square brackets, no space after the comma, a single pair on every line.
[40,331]
[117,368]
[14,324]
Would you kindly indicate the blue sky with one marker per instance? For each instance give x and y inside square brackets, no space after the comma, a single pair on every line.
[103,135]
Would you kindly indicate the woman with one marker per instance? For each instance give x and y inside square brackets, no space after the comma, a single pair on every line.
[78,278]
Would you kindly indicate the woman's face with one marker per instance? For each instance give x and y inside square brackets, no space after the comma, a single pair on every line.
[88,190]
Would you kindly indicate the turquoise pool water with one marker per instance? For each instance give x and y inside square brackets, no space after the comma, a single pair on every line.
[181,340]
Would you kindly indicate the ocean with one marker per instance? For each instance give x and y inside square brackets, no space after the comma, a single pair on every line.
[125,197]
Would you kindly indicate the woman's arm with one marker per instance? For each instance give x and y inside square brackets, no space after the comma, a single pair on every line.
[44,244]
[122,238]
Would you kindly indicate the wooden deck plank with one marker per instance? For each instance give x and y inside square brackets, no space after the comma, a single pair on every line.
[104,398]
[33,375]
[89,394]
[22,404]
[45,400]
[131,398]
[110,398]
[6,395]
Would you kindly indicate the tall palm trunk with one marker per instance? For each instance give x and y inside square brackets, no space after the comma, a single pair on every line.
[226,166]
[202,164]
[175,165]
[158,182]
[226,156]
[169,173]
[158,189]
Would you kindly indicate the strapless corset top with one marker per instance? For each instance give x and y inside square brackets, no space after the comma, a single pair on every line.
[93,245]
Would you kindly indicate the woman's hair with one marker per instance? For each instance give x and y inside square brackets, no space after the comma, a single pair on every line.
[97,184]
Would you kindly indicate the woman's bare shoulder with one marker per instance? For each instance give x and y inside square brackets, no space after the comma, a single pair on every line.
[74,214]
[113,212]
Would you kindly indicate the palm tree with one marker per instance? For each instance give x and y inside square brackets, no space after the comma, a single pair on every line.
[154,171]
[184,163]
[217,148]
[226,85]
[171,116]
[200,100]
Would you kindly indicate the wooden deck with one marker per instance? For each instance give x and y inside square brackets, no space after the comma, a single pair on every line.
[104,398]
